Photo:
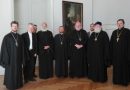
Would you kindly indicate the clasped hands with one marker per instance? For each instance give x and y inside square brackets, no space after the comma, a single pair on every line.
[78,46]
[46,47]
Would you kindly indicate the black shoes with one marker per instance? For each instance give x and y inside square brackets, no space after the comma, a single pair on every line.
[34,75]
[32,79]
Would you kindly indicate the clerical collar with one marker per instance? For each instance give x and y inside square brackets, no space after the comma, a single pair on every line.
[44,30]
[61,33]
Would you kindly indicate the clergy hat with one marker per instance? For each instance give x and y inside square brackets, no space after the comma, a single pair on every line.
[98,23]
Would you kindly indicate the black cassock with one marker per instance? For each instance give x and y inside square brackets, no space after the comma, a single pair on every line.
[98,56]
[45,38]
[61,55]
[120,56]
[78,60]
[12,59]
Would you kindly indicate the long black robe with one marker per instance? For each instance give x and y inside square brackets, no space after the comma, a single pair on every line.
[98,56]
[120,56]
[45,56]
[61,55]
[78,60]
[12,59]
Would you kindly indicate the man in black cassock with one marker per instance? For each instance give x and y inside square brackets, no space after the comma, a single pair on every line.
[78,42]
[45,52]
[98,54]
[30,43]
[12,58]
[61,56]
[120,54]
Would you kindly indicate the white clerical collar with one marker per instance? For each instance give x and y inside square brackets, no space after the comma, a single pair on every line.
[61,33]
[44,30]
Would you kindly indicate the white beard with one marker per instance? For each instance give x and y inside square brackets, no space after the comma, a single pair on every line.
[97,30]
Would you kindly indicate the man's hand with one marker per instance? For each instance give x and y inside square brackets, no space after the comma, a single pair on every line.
[46,47]
[35,55]
[78,46]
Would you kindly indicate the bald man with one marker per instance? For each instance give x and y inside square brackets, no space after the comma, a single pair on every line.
[45,52]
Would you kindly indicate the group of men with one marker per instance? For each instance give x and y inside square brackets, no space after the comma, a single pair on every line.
[79,54]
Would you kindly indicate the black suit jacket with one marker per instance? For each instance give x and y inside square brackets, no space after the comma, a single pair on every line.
[27,41]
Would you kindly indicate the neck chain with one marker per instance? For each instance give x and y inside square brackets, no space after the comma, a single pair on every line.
[79,36]
[118,35]
[61,38]
[96,36]
[15,39]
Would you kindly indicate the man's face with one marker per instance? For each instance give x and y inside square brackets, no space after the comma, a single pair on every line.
[14,27]
[44,25]
[35,29]
[120,24]
[97,27]
[30,28]
[78,26]
[92,27]
[61,30]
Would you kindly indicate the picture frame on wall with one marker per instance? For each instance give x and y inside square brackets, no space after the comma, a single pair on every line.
[72,12]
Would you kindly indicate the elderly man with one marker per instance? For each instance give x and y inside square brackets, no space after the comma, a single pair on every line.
[78,43]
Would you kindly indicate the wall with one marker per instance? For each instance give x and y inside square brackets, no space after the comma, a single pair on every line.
[6,16]
[35,11]
[108,11]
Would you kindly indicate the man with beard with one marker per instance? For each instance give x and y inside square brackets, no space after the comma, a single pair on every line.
[12,58]
[61,56]
[120,54]
[45,52]
[78,43]
[98,54]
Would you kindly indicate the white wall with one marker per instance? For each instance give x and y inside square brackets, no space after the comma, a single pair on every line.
[32,11]
[6,16]
[108,11]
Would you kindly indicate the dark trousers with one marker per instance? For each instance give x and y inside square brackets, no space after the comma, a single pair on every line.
[29,67]
[35,58]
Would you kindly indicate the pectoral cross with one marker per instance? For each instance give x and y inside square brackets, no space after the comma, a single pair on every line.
[117,39]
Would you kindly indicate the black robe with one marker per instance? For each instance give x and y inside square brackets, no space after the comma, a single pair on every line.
[78,60]
[98,56]
[120,56]
[61,56]
[45,56]
[12,59]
